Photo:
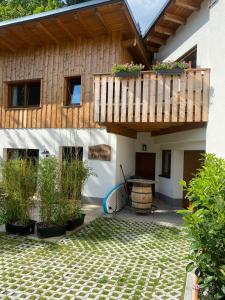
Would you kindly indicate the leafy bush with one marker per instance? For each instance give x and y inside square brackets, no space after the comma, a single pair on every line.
[170,65]
[19,179]
[130,68]
[53,208]
[75,173]
[205,225]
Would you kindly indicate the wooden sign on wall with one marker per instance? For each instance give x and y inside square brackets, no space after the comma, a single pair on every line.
[99,152]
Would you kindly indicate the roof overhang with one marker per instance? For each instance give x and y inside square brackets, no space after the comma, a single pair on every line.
[89,19]
[173,15]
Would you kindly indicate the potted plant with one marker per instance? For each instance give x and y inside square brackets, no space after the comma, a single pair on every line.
[53,209]
[127,70]
[75,173]
[170,67]
[19,179]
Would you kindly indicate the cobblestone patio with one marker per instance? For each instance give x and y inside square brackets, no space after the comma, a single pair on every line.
[108,259]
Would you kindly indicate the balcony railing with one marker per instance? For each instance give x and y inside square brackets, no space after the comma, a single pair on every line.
[152,98]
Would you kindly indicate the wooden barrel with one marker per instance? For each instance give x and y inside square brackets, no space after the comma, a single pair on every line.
[141,196]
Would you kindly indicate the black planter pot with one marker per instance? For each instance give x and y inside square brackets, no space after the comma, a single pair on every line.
[176,71]
[72,224]
[46,231]
[21,229]
[128,74]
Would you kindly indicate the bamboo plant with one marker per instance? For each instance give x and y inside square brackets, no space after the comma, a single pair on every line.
[19,179]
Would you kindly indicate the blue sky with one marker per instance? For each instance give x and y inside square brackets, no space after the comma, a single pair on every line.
[145,11]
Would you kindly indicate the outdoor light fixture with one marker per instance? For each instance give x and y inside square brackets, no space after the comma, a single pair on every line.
[144,147]
[45,153]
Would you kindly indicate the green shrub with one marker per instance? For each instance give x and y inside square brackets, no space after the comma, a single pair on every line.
[205,225]
[53,208]
[19,179]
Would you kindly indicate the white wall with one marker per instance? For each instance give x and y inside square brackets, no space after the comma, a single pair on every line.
[177,143]
[53,139]
[206,29]
[125,157]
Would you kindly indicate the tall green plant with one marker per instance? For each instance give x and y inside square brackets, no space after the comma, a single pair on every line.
[19,178]
[53,209]
[74,175]
[205,226]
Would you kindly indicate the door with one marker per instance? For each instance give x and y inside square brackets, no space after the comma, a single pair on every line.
[145,166]
[192,162]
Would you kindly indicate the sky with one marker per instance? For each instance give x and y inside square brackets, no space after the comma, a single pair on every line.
[145,11]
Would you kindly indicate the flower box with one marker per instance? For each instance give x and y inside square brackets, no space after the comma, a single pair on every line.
[74,223]
[127,74]
[48,230]
[176,71]
[21,229]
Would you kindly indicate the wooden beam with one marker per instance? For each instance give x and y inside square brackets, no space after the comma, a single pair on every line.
[6,44]
[164,30]
[47,32]
[188,126]
[174,18]
[187,4]
[121,130]
[152,49]
[84,27]
[65,29]
[156,40]
[102,20]
[129,43]
[140,45]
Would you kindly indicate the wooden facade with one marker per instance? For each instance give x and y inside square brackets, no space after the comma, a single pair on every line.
[51,47]
[52,65]
[153,102]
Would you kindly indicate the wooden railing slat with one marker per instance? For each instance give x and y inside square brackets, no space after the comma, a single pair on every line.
[182,110]
[167,99]
[124,101]
[175,99]
[198,96]
[110,99]
[205,100]
[103,99]
[159,98]
[152,104]
[138,101]
[131,100]
[117,100]
[145,98]
[190,95]
[97,98]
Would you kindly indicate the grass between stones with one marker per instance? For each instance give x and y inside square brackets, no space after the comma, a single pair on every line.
[108,259]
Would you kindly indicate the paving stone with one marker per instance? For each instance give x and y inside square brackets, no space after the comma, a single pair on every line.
[110,258]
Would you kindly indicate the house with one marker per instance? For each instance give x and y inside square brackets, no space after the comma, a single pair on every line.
[57,94]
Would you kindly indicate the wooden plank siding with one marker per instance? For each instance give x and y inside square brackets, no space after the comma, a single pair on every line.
[52,64]
[153,98]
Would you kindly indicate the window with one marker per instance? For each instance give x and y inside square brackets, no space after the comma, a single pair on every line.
[190,57]
[24,94]
[70,153]
[73,92]
[166,163]
[32,154]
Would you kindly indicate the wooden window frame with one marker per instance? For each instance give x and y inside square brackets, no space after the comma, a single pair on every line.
[188,53]
[26,83]
[66,102]
[164,173]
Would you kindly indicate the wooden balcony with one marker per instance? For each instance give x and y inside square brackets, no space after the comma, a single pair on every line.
[152,102]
